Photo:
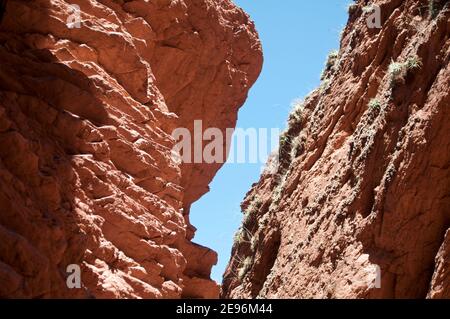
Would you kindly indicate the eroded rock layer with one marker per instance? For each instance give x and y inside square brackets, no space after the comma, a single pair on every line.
[358,204]
[87,175]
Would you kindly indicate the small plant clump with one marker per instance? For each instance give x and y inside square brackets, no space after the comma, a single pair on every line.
[285,144]
[243,235]
[433,9]
[352,7]
[330,64]
[278,191]
[298,146]
[374,109]
[395,71]
[413,63]
[325,85]
[252,209]
[285,140]
[254,205]
[254,243]
[296,114]
[332,57]
[398,71]
[245,267]
[238,237]
[368,9]
[375,104]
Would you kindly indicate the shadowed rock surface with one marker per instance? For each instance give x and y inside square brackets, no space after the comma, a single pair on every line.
[87,175]
[363,176]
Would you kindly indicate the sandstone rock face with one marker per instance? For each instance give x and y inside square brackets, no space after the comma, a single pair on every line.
[359,204]
[440,284]
[87,175]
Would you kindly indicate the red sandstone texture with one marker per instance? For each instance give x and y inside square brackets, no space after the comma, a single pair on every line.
[87,175]
[363,177]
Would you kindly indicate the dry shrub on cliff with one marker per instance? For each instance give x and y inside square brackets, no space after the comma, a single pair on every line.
[238,237]
[298,146]
[284,151]
[296,115]
[352,7]
[330,64]
[254,205]
[432,8]
[245,267]
[285,139]
[331,60]
[272,164]
[288,144]
[368,9]
[398,70]
[278,191]
[436,6]
[243,235]
[325,85]
[252,209]
[254,243]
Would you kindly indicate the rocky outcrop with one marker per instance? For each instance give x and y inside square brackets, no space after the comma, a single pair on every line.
[358,203]
[87,174]
[440,284]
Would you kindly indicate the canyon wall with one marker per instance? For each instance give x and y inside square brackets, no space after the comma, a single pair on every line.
[357,202]
[87,173]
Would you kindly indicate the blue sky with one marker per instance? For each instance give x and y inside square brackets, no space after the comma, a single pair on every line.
[296,35]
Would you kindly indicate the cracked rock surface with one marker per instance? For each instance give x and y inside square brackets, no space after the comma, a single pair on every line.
[358,203]
[87,175]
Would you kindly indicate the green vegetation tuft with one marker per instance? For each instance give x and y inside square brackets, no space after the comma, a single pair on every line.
[375,104]
[413,63]
[397,70]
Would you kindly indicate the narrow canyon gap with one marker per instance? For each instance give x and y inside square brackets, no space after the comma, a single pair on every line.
[360,191]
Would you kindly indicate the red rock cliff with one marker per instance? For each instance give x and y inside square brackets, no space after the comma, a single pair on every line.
[87,176]
[359,202]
